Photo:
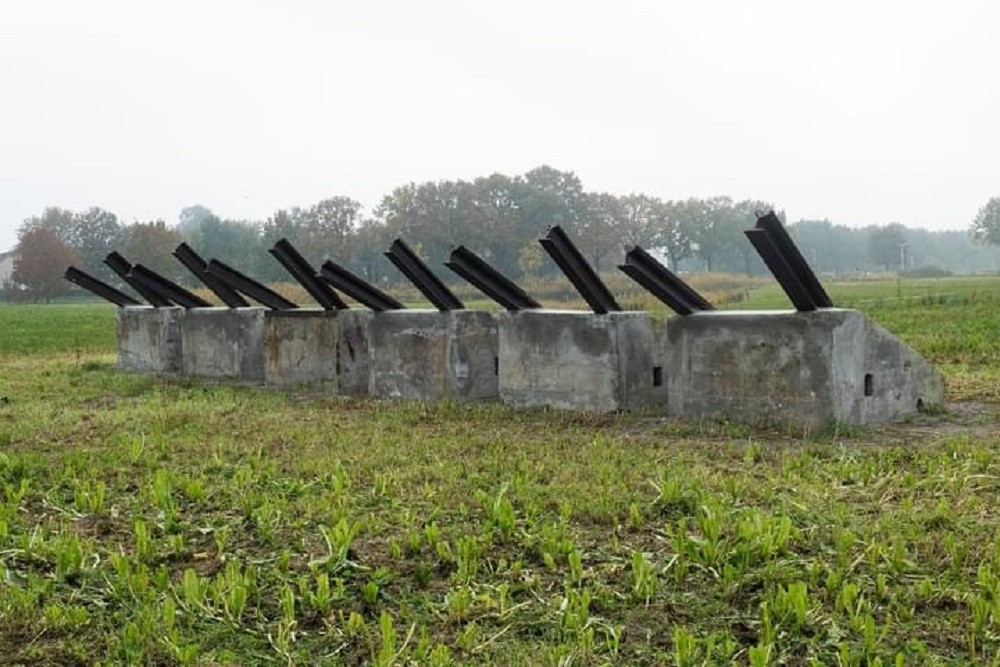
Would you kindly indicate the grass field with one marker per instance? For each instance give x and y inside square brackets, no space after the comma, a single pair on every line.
[161,521]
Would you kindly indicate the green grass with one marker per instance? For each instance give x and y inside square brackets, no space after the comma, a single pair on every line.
[154,521]
[37,329]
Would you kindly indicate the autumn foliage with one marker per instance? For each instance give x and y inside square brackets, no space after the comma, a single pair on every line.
[40,260]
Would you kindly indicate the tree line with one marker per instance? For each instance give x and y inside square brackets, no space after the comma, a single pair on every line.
[498,216]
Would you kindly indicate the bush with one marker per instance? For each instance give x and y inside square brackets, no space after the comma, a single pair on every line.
[927,272]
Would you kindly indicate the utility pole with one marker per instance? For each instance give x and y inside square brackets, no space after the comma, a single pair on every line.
[902,267]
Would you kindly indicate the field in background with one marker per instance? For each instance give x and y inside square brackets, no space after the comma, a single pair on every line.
[161,521]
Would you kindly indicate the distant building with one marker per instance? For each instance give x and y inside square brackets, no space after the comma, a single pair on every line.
[6,266]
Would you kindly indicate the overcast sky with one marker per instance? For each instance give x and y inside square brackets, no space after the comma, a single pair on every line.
[861,112]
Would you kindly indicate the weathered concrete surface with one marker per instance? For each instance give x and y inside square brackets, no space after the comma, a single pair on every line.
[300,346]
[332,347]
[354,352]
[223,343]
[806,369]
[902,382]
[430,355]
[149,339]
[580,361]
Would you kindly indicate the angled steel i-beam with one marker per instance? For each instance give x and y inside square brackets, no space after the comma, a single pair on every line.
[199,267]
[488,280]
[357,288]
[248,286]
[303,272]
[584,278]
[99,287]
[166,288]
[779,267]
[780,238]
[422,277]
[662,283]
[122,267]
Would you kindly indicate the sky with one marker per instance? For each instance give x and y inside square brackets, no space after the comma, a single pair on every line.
[860,112]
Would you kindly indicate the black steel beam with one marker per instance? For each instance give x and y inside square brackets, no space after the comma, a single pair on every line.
[676,301]
[783,273]
[662,283]
[166,288]
[422,277]
[584,278]
[122,267]
[99,287]
[248,286]
[786,246]
[357,288]
[488,280]
[199,267]
[305,274]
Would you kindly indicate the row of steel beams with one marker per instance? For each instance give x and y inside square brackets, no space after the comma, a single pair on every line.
[768,237]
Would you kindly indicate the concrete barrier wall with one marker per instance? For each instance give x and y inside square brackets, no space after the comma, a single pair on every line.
[354,352]
[223,343]
[300,346]
[580,361]
[149,339]
[309,346]
[432,355]
[899,381]
[807,369]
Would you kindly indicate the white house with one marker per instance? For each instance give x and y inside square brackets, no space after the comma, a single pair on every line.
[6,266]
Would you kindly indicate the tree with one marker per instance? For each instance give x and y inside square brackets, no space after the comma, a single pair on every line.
[637,225]
[40,260]
[495,218]
[55,219]
[886,246]
[986,225]
[530,259]
[152,244]
[91,234]
[191,218]
[551,197]
[371,241]
[598,227]
[235,242]
[288,224]
[672,231]
[331,223]
[715,228]
[829,247]
[94,234]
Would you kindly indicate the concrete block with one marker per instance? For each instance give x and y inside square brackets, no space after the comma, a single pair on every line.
[354,352]
[809,369]
[149,339]
[580,361]
[319,346]
[430,355]
[897,380]
[223,343]
[300,346]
